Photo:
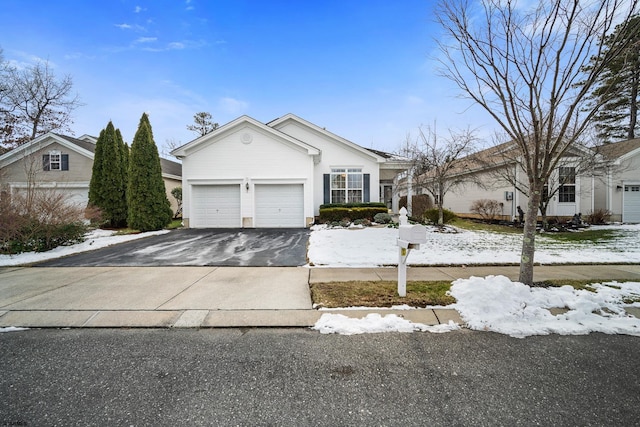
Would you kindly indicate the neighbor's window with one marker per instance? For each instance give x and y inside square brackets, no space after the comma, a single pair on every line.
[567,191]
[346,185]
[54,160]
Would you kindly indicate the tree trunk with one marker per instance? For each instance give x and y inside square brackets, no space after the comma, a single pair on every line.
[440,207]
[543,215]
[633,110]
[528,240]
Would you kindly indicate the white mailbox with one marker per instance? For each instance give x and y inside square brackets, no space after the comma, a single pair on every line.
[413,234]
[409,237]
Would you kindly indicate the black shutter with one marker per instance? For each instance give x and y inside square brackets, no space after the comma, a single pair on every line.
[45,162]
[366,181]
[327,187]
[65,162]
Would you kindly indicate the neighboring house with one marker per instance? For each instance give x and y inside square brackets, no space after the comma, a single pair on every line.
[606,178]
[619,190]
[250,174]
[65,164]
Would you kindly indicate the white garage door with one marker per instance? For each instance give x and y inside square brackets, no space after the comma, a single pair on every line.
[279,205]
[215,206]
[631,208]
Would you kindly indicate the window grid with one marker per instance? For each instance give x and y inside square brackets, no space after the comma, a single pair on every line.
[346,185]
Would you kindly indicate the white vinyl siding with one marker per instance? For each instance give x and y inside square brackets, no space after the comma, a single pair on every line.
[215,206]
[279,205]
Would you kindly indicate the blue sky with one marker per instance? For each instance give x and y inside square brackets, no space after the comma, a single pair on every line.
[363,69]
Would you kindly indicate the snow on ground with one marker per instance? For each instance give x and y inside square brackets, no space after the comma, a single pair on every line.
[495,303]
[96,239]
[374,247]
[492,303]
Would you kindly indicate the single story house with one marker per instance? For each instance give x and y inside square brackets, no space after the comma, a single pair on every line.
[64,163]
[606,178]
[277,174]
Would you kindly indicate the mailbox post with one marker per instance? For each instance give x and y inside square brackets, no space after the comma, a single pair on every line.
[409,237]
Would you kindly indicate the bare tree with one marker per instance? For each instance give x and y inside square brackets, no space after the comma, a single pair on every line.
[203,124]
[437,162]
[523,66]
[36,103]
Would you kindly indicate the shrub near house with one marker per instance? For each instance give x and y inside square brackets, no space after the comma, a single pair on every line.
[350,211]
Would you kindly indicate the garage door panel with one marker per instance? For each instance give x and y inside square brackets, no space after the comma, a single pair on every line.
[279,205]
[215,206]
[631,208]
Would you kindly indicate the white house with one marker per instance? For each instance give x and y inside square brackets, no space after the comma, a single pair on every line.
[250,174]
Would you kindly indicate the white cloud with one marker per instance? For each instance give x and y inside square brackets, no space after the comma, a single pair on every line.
[138,9]
[232,106]
[175,46]
[146,39]
[125,26]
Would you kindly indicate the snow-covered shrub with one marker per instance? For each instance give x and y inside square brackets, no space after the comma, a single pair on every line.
[382,218]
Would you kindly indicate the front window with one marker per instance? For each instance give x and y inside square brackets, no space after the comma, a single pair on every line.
[567,190]
[346,185]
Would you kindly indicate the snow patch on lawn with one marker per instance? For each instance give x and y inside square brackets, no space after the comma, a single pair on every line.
[375,247]
[495,303]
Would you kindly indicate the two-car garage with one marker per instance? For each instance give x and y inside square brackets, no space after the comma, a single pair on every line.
[267,205]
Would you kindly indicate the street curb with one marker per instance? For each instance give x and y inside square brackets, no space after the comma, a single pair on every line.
[184,319]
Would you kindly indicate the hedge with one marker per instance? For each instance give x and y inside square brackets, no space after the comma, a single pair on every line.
[338,213]
[354,205]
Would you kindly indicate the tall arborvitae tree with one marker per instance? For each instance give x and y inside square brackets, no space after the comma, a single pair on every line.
[108,184]
[149,208]
[617,88]
[95,185]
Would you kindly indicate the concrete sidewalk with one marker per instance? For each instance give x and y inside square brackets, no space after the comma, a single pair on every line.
[220,296]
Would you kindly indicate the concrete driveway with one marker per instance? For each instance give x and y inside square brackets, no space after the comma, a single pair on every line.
[201,247]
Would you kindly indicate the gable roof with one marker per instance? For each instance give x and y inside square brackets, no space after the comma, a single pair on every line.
[377,155]
[83,146]
[619,150]
[245,120]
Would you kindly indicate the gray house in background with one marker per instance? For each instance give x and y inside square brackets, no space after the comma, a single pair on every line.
[65,163]
[612,185]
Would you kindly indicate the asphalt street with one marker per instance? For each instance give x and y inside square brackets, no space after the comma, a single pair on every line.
[282,247]
[294,377]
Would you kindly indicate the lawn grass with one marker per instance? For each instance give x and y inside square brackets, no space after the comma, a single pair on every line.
[585,235]
[467,224]
[419,294]
[379,294]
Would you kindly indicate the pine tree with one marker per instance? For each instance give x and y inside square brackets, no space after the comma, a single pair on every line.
[108,180]
[618,86]
[149,208]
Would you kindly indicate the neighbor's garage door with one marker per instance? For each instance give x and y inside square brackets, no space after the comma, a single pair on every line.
[215,206]
[279,205]
[631,208]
